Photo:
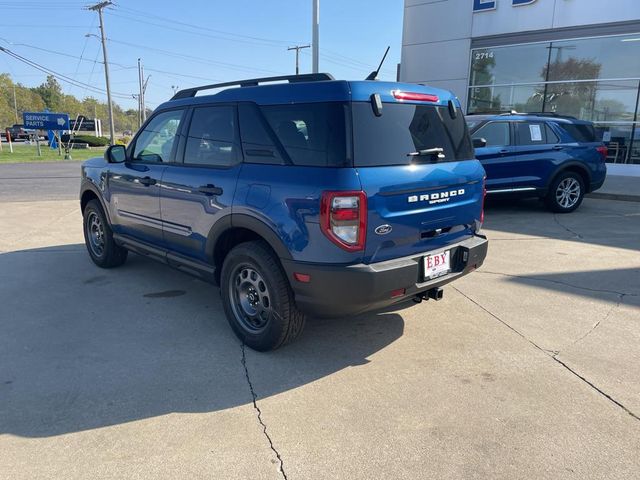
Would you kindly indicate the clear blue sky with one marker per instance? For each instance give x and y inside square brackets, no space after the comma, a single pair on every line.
[225,40]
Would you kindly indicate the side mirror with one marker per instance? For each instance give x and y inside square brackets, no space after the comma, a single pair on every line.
[479,142]
[115,154]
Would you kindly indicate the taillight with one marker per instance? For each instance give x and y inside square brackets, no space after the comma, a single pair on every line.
[343,218]
[603,151]
[415,96]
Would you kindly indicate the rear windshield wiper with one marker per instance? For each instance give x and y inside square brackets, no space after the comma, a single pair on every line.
[439,151]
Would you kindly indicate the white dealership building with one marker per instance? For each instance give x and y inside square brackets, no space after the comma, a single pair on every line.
[572,57]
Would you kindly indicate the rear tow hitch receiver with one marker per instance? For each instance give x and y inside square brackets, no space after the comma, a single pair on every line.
[435,293]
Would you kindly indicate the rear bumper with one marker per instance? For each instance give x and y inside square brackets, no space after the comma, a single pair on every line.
[338,290]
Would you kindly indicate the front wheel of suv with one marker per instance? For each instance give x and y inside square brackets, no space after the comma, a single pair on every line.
[566,192]
[257,298]
[98,237]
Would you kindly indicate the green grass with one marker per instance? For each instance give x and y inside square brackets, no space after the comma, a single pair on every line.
[29,153]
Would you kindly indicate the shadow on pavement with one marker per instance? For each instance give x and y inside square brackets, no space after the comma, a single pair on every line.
[599,222]
[83,348]
[611,285]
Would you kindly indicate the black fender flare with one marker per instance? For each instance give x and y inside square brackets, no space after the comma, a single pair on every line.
[240,220]
[88,185]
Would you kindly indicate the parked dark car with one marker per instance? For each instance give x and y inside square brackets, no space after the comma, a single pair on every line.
[18,132]
[557,158]
[310,197]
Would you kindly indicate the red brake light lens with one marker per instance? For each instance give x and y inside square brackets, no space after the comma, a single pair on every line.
[418,97]
[603,151]
[343,218]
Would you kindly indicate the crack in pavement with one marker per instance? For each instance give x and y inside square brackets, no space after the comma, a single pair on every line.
[597,324]
[259,413]
[550,354]
[572,232]
[558,282]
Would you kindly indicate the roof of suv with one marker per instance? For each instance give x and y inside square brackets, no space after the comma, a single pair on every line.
[528,116]
[310,91]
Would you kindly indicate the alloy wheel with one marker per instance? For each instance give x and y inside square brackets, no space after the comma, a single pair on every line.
[568,192]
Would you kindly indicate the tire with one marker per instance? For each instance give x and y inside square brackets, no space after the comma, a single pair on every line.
[257,298]
[98,237]
[566,192]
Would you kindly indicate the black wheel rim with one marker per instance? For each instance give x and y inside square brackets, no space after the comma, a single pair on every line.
[250,298]
[95,234]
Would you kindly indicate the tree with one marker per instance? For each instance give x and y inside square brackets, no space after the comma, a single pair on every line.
[51,93]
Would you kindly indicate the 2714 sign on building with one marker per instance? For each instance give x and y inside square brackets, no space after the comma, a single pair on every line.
[483,5]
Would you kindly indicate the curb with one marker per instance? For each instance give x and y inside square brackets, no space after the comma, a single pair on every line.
[623,197]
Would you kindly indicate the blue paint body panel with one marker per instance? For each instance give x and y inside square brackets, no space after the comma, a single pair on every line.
[532,168]
[178,214]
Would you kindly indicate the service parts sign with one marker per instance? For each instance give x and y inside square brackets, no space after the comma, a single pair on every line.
[45,121]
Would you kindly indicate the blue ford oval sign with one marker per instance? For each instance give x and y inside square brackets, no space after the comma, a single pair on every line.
[383,229]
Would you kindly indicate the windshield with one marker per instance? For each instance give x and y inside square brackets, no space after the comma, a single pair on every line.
[403,129]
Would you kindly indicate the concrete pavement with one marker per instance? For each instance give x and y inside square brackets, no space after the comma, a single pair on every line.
[526,369]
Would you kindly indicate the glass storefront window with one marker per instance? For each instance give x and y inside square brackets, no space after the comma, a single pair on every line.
[521,98]
[593,58]
[596,79]
[514,64]
[622,143]
[603,101]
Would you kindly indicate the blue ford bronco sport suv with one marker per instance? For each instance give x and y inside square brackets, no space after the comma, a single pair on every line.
[553,157]
[298,195]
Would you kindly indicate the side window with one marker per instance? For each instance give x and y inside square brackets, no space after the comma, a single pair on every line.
[551,135]
[312,134]
[257,144]
[495,133]
[212,137]
[155,143]
[530,133]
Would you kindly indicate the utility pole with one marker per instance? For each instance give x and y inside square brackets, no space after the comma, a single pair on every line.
[140,94]
[316,35]
[98,8]
[297,48]
[15,103]
[144,91]
[175,88]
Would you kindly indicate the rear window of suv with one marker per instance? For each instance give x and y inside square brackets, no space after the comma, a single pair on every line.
[580,132]
[405,128]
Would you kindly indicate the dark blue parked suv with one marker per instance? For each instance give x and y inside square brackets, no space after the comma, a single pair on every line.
[305,196]
[553,157]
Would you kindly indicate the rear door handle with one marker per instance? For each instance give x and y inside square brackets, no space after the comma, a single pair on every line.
[558,147]
[504,150]
[209,189]
[146,181]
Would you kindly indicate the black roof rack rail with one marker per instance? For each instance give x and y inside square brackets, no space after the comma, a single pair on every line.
[494,112]
[549,114]
[253,82]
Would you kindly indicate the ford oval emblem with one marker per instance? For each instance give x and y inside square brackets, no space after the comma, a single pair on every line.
[383,229]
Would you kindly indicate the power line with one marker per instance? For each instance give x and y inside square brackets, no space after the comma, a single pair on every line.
[57,75]
[173,21]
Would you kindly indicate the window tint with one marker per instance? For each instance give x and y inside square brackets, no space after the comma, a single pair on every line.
[406,128]
[580,132]
[312,134]
[211,138]
[551,135]
[257,141]
[495,133]
[155,143]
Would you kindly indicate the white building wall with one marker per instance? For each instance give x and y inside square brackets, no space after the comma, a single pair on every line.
[437,34]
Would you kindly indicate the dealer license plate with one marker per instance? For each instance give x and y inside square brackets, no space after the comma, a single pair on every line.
[437,265]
